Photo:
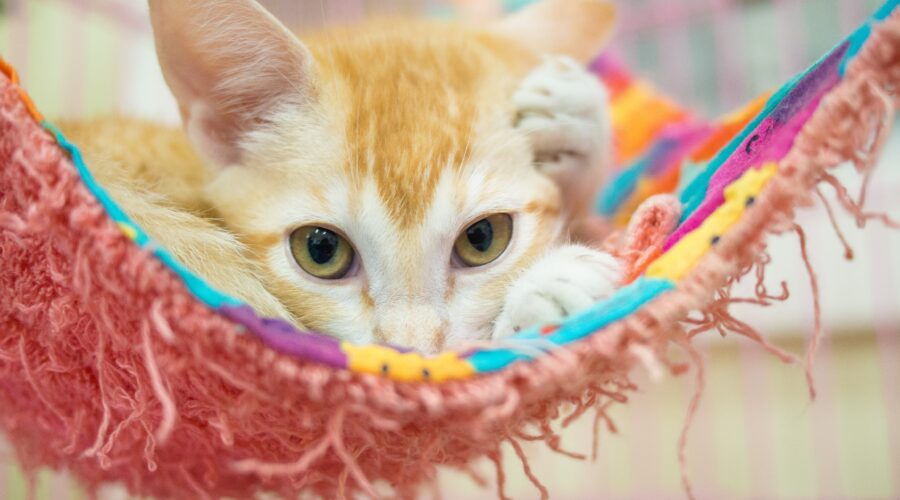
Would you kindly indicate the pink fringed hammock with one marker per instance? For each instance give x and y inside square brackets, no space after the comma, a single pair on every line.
[114,366]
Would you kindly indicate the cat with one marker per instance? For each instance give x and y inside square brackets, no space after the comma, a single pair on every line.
[410,182]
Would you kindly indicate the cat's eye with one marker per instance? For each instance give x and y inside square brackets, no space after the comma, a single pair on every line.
[321,252]
[482,242]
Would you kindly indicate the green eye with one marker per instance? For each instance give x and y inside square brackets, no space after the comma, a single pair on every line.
[484,241]
[321,252]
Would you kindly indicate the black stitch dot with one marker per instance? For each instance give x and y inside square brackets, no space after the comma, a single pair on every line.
[426,373]
[751,200]
[385,369]
[715,240]
[749,146]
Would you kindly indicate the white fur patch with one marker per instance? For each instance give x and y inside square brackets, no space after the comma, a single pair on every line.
[564,110]
[565,281]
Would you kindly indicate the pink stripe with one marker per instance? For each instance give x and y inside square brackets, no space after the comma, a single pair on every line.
[790,37]
[643,429]
[758,410]
[673,49]
[823,419]
[125,76]
[125,14]
[4,471]
[74,85]
[346,10]
[61,486]
[645,17]
[851,13]
[701,452]
[822,415]
[887,335]
[18,37]
[729,64]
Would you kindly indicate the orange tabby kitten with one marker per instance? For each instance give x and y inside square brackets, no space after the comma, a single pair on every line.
[407,182]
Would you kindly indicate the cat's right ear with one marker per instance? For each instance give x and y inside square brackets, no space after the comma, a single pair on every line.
[230,64]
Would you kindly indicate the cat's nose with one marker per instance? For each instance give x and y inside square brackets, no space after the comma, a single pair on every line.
[417,327]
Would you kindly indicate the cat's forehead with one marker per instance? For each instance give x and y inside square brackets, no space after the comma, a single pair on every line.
[415,105]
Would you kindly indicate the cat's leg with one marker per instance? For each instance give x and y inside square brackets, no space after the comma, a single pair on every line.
[564,111]
[564,281]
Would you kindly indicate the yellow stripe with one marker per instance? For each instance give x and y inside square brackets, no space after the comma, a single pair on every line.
[406,367]
[681,258]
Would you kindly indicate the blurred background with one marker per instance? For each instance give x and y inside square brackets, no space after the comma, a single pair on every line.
[756,435]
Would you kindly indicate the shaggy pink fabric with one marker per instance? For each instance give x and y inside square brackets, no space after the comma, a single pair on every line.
[108,367]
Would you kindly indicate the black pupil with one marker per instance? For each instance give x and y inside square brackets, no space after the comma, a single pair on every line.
[322,245]
[480,235]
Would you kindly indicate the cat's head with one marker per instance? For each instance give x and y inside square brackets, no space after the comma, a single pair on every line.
[375,172]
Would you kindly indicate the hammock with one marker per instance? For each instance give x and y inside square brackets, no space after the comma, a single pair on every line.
[120,365]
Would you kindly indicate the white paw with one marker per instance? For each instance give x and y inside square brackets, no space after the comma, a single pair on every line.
[565,281]
[564,110]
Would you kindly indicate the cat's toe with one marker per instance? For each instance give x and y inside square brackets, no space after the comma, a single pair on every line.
[562,108]
[563,283]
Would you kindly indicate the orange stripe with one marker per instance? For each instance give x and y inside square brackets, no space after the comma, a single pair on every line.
[10,72]
[728,128]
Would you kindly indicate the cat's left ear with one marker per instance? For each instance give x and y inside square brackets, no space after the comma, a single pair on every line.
[230,64]
[576,28]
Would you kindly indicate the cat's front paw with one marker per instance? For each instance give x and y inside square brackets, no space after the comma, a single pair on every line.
[563,109]
[565,281]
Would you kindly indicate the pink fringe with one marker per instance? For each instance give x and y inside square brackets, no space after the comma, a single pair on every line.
[817,313]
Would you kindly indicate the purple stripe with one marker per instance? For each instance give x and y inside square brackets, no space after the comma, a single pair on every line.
[283,337]
[772,139]
[675,144]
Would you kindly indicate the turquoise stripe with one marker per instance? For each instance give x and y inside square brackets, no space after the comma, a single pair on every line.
[694,194]
[859,37]
[886,10]
[626,301]
[621,188]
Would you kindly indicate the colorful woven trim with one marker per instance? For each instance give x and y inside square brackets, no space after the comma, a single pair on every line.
[716,168]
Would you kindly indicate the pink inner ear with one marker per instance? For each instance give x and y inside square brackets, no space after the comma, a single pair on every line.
[229,63]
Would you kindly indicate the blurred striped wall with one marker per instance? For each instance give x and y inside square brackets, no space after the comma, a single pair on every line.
[756,435]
